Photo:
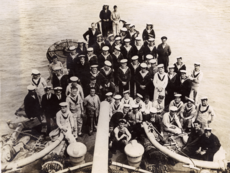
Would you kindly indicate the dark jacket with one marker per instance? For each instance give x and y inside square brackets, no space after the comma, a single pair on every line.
[127,54]
[97,48]
[63,82]
[146,51]
[145,34]
[48,105]
[139,53]
[82,72]
[183,88]
[32,106]
[92,37]
[183,67]
[56,102]
[101,60]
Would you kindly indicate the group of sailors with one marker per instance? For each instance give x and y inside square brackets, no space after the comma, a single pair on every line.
[134,76]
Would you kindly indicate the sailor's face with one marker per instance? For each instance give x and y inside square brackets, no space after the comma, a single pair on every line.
[204,102]
[132,28]
[55,60]
[135,110]
[117,101]
[92,92]
[207,133]
[118,42]
[138,42]
[111,38]
[197,67]
[164,40]
[183,75]
[179,60]
[153,64]
[99,39]
[127,44]
[123,65]
[90,53]
[94,70]
[74,92]
[135,62]
[146,100]
[74,51]
[74,83]
[123,33]
[35,76]
[58,92]
[143,70]
[48,91]
[105,52]
[172,113]
[93,26]
[196,126]
[177,99]
[148,27]
[107,67]
[80,44]
[93,82]
[115,9]
[153,117]
[58,72]
[126,96]
[122,125]
[189,103]
[116,51]
[82,60]
[138,99]
[171,70]
[64,109]
[161,70]
[126,110]
[151,43]
[32,92]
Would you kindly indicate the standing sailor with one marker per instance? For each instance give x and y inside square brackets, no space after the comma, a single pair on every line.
[179,65]
[92,33]
[53,64]
[151,49]
[116,43]
[117,57]
[196,78]
[117,106]
[109,42]
[98,45]
[74,83]
[115,18]
[159,104]
[65,122]
[160,82]
[39,82]
[133,34]
[127,50]
[124,35]
[205,113]
[127,99]
[70,59]
[91,58]
[105,20]
[60,80]
[81,49]
[105,55]
[177,103]
[164,51]
[153,69]
[148,31]
[134,68]
[59,97]
[75,104]
[138,49]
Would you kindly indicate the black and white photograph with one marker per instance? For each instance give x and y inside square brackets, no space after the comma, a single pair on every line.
[135,86]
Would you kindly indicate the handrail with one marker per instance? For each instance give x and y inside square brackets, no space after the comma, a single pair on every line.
[100,156]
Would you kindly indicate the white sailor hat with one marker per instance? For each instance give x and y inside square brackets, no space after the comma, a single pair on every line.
[123,61]
[131,25]
[177,95]
[134,57]
[143,65]
[118,48]
[31,87]
[160,66]
[74,79]
[127,91]
[183,71]
[153,110]
[127,40]
[71,48]
[204,98]
[63,104]
[110,35]
[35,71]
[197,63]
[94,66]
[138,38]
[171,66]
[149,23]
[90,49]
[124,29]
[108,63]
[109,94]
[57,68]
[179,57]
[151,39]
[149,56]
[126,106]
[173,108]
[99,35]
[81,56]
[207,129]
[135,106]
[117,97]
[127,23]
[189,99]
[139,95]
[118,38]
[153,61]
[47,87]
[57,88]
[105,48]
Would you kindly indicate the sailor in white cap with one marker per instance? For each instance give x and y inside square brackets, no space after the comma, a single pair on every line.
[75,105]
[65,122]
[127,50]
[99,45]
[164,51]
[179,65]
[105,55]
[109,42]
[117,56]
[147,106]
[159,104]
[123,76]
[124,35]
[59,97]
[147,61]
[156,120]
[139,101]
[127,99]
[188,114]
[71,58]
[109,97]
[138,49]
[74,83]
[81,49]
[133,34]
[150,48]
[134,68]
[205,113]
[117,106]
[177,102]
[148,30]
[53,64]
[107,81]
[92,35]
[91,57]
[142,80]
[39,82]
[59,79]
[160,82]
[170,89]
[196,77]
[183,85]
[171,122]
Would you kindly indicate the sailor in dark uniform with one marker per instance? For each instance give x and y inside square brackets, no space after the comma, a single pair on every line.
[133,34]
[92,84]
[109,42]
[123,76]
[96,74]
[91,58]
[81,49]
[138,49]
[105,55]
[58,98]
[92,33]
[60,80]
[142,79]
[164,51]
[134,68]
[116,43]
[183,85]
[98,45]
[179,65]
[170,89]
[124,35]
[70,59]
[106,23]
[147,31]
[47,107]
[150,49]
[127,50]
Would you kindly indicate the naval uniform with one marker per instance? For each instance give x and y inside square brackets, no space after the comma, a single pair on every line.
[178,67]
[60,81]
[150,50]
[159,106]
[70,63]
[40,84]
[102,58]
[123,75]
[152,72]
[79,90]
[187,112]
[145,34]
[92,60]
[160,81]
[97,47]
[195,83]
[92,36]
[183,86]
[128,101]
[170,88]
[106,25]
[134,69]
[127,52]
[116,108]
[82,72]
[142,80]
[139,51]
[204,114]
[169,122]
[163,55]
